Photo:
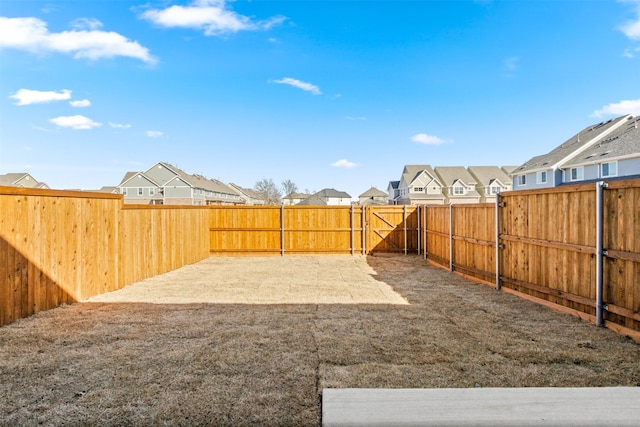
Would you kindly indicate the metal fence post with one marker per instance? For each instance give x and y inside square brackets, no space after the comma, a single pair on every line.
[498,284]
[600,252]
[450,236]
[418,217]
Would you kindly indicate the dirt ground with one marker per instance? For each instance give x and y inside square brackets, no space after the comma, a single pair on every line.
[253,341]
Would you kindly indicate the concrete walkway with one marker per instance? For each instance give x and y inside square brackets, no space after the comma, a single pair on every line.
[606,406]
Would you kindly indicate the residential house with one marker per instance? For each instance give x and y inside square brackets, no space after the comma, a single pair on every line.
[491,180]
[419,185]
[294,198]
[328,197]
[553,169]
[459,184]
[21,179]
[250,196]
[615,156]
[373,196]
[393,192]
[168,185]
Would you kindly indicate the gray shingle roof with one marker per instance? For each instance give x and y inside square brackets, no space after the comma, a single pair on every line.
[485,175]
[410,172]
[330,192]
[623,142]
[374,192]
[9,179]
[451,174]
[572,146]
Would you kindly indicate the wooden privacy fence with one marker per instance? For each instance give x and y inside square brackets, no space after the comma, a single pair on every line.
[574,247]
[57,247]
[280,230]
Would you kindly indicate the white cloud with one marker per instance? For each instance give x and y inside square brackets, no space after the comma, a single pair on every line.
[81,103]
[620,108]
[511,63]
[344,163]
[631,29]
[32,35]
[299,84]
[28,96]
[154,134]
[119,125]
[86,24]
[423,138]
[75,122]
[211,16]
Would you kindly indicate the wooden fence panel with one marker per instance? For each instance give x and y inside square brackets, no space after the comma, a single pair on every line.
[319,229]
[242,230]
[622,243]
[437,231]
[549,245]
[474,237]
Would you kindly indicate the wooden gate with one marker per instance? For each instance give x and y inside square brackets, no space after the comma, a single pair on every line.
[392,229]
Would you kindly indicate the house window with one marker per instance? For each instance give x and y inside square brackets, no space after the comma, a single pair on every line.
[124,191]
[541,177]
[577,173]
[522,179]
[152,191]
[494,190]
[418,189]
[458,191]
[610,169]
[140,191]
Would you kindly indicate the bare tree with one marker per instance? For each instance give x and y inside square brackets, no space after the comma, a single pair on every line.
[268,191]
[289,187]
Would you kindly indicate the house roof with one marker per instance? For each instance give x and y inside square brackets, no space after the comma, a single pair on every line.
[622,143]
[485,175]
[248,192]
[450,174]
[374,192]
[332,193]
[411,172]
[573,146]
[394,185]
[9,179]
[509,169]
[195,180]
[295,195]
[313,200]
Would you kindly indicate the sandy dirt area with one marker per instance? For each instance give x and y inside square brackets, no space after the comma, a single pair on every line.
[330,279]
[253,341]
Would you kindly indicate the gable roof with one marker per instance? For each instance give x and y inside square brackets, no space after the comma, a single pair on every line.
[13,179]
[374,192]
[313,200]
[332,193]
[451,174]
[411,172]
[486,175]
[394,185]
[624,142]
[573,146]
[295,195]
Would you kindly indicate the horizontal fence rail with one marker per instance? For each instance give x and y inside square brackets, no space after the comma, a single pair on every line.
[574,247]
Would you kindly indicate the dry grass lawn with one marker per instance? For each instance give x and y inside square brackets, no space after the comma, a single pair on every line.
[217,343]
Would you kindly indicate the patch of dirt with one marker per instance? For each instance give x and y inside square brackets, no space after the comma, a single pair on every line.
[254,358]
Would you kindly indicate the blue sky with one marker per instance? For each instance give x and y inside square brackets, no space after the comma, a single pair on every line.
[330,94]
